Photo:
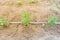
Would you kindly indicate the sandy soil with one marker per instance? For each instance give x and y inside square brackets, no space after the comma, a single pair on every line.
[39,11]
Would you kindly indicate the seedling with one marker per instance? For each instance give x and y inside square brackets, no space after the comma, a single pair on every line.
[3,23]
[19,2]
[33,1]
[53,20]
[25,18]
[58,6]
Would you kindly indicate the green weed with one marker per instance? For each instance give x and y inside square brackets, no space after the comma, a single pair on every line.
[25,18]
[3,23]
[58,6]
[53,19]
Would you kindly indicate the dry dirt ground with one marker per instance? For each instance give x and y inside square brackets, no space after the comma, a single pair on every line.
[39,11]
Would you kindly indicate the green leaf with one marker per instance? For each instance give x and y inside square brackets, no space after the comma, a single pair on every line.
[3,21]
[53,19]
[25,18]
[58,6]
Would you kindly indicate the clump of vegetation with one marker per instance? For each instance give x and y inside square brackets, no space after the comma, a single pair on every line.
[25,18]
[19,2]
[3,23]
[58,6]
[33,1]
[53,19]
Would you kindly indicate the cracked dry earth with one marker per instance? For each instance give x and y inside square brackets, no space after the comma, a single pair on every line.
[38,12]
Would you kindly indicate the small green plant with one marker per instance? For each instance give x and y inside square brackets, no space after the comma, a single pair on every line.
[33,1]
[53,19]
[58,6]
[25,18]
[3,23]
[19,2]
